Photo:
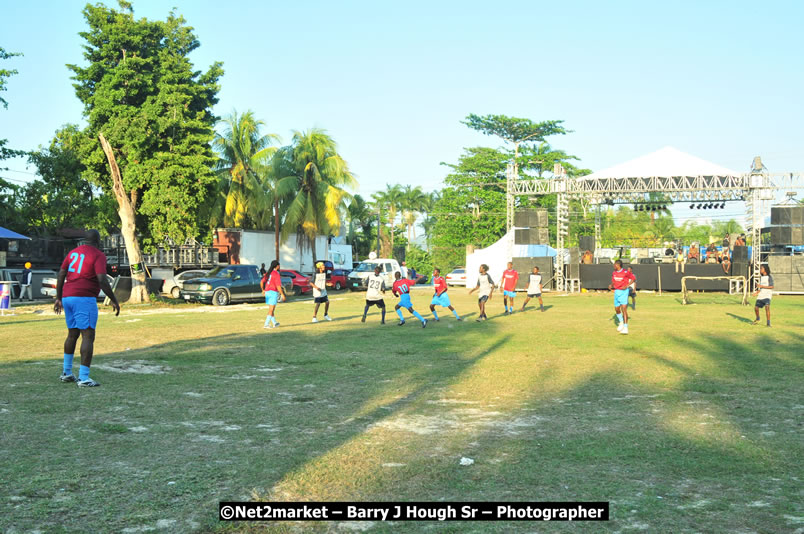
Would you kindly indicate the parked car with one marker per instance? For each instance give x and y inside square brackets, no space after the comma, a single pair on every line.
[225,284]
[173,286]
[457,277]
[357,279]
[12,274]
[301,284]
[49,287]
[337,279]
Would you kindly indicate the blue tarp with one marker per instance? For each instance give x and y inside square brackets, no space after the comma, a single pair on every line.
[5,233]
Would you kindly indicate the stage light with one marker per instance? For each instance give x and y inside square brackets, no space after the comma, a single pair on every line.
[692,206]
[698,206]
[722,205]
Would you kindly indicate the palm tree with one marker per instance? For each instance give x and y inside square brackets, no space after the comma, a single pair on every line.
[322,177]
[428,220]
[392,199]
[412,202]
[278,185]
[244,154]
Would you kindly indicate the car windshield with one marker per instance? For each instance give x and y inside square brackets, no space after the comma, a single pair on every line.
[458,271]
[365,267]
[223,271]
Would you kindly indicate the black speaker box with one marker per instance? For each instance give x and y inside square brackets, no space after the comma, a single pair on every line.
[787,235]
[739,269]
[740,254]
[522,219]
[780,264]
[787,215]
[586,242]
[542,218]
[524,266]
[526,236]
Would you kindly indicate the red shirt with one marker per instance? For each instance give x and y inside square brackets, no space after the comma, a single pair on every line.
[622,279]
[510,278]
[274,281]
[83,265]
[402,286]
[440,284]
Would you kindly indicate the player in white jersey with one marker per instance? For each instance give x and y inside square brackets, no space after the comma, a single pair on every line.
[320,291]
[534,288]
[764,293]
[485,286]
[374,293]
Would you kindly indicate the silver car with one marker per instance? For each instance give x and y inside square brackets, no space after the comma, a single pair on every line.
[173,286]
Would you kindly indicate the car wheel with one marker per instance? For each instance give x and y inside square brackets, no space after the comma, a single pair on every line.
[175,292]
[297,291]
[338,286]
[220,298]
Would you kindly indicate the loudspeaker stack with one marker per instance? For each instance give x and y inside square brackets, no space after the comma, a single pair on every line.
[586,242]
[787,225]
[531,227]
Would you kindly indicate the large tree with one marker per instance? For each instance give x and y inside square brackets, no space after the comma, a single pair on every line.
[5,74]
[9,214]
[514,130]
[412,203]
[60,197]
[322,178]
[152,113]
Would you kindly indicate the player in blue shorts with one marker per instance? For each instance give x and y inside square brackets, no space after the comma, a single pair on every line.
[401,289]
[621,280]
[440,297]
[81,277]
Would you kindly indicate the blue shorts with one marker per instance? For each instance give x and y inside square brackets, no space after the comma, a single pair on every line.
[441,300]
[271,297]
[620,297]
[80,312]
[404,300]
[511,294]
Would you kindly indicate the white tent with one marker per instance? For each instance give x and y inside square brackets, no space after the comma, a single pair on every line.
[497,255]
[664,163]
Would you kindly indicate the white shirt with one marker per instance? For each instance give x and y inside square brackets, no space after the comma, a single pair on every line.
[376,284]
[534,282]
[320,280]
[404,271]
[486,284]
[765,293]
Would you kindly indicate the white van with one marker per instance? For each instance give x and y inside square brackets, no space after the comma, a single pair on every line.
[357,278]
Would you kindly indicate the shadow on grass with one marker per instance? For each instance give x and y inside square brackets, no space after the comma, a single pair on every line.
[740,318]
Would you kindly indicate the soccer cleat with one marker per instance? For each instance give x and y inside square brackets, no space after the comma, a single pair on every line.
[327,317]
[620,327]
[755,322]
[363,320]
[424,323]
[401,323]
[68,377]
[315,320]
[88,383]
[276,325]
[624,331]
[382,322]
[458,319]
[479,319]
[436,319]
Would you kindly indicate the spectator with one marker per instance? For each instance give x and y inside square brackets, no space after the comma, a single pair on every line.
[725,262]
[711,253]
[740,241]
[404,268]
[694,256]
[726,242]
[413,275]
[588,258]
[680,259]
[262,270]
[25,282]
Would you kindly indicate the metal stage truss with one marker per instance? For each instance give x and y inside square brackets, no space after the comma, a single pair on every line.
[757,189]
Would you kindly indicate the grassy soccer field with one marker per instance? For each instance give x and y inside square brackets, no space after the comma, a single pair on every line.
[692,423]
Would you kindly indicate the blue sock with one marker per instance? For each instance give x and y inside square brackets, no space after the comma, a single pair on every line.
[620,318]
[83,373]
[455,313]
[68,363]
[399,313]
[435,314]
[417,316]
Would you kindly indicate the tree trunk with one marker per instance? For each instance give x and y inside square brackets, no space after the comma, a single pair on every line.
[312,247]
[276,227]
[139,291]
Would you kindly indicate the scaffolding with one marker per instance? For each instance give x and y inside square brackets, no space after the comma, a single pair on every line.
[756,188]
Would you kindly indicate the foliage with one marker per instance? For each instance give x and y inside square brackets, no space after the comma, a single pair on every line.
[412,202]
[471,208]
[5,152]
[420,260]
[514,130]
[362,233]
[322,178]
[141,91]
[244,156]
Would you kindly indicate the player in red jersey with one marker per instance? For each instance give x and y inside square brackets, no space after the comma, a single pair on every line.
[621,280]
[509,279]
[81,277]
[440,297]
[401,289]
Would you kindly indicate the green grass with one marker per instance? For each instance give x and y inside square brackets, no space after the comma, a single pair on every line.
[692,423]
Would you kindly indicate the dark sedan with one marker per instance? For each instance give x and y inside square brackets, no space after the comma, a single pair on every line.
[225,284]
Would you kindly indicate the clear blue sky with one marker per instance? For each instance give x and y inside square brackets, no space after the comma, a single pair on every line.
[392,81]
